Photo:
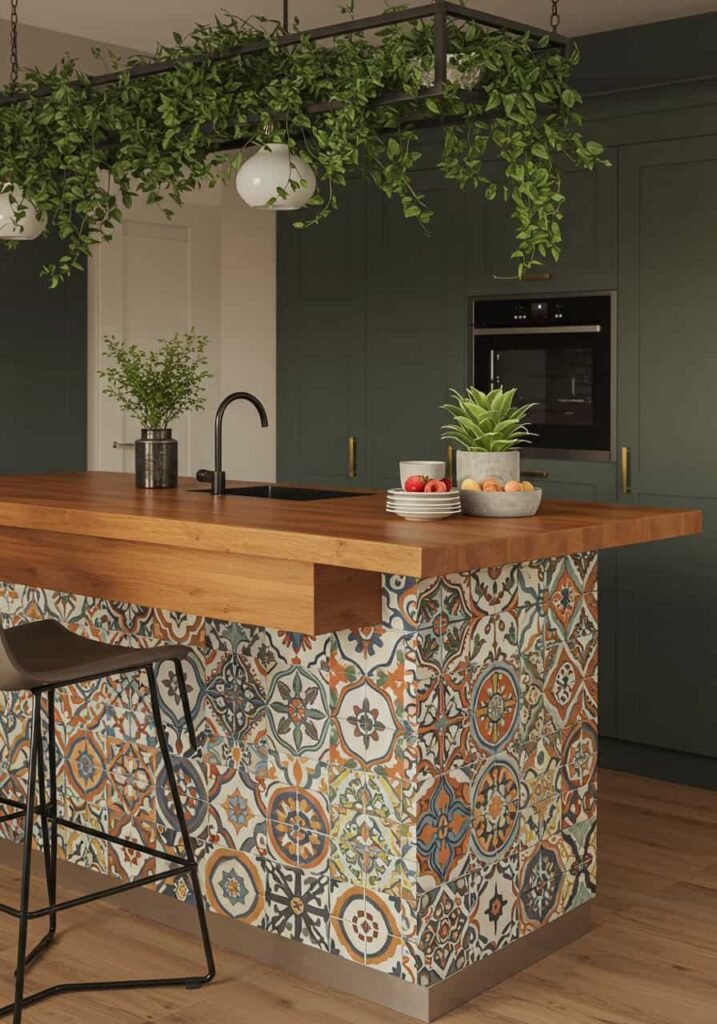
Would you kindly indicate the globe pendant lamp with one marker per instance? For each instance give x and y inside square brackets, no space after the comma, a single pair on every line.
[273,168]
[18,217]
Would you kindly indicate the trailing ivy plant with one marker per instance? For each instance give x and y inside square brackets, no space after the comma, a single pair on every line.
[82,154]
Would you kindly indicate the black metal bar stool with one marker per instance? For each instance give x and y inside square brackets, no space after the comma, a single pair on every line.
[41,657]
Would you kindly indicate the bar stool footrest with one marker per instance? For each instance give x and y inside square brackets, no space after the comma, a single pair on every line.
[104,986]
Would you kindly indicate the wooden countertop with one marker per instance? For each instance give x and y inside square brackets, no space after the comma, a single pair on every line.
[353,533]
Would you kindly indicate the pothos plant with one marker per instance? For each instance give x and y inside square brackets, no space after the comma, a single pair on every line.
[82,154]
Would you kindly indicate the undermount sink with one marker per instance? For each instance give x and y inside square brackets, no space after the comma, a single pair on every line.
[281,491]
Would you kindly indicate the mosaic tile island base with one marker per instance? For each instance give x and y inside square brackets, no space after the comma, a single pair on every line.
[414,796]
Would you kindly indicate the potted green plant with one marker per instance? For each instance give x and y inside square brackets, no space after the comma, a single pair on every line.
[489,430]
[155,387]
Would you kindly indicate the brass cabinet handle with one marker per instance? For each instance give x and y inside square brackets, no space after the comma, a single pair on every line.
[535,474]
[352,456]
[451,462]
[625,471]
[123,444]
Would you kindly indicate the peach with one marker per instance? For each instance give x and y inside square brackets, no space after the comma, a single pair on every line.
[527,486]
[491,480]
[492,487]
[470,485]
[512,486]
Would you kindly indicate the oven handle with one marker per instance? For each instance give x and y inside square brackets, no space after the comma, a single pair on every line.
[562,329]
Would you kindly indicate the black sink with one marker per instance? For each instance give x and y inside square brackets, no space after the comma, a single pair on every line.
[289,493]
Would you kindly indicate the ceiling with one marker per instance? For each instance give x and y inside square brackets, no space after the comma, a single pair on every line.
[138,24]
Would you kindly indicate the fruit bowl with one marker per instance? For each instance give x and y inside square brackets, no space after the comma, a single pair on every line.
[501,505]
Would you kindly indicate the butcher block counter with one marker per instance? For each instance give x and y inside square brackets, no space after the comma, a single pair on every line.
[395,792]
[307,566]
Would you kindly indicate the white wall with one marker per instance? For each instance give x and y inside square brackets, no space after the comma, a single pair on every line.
[211,267]
[248,333]
[244,356]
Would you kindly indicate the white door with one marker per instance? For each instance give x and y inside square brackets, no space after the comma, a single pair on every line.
[156,277]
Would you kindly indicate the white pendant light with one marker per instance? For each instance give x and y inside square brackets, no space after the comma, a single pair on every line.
[18,217]
[274,167]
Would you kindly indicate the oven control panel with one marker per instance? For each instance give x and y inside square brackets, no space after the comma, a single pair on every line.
[574,310]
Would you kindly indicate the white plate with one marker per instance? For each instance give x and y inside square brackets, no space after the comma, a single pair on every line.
[396,491]
[423,516]
[425,499]
[423,508]
[448,499]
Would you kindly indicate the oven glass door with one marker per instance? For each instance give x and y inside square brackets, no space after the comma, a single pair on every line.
[565,372]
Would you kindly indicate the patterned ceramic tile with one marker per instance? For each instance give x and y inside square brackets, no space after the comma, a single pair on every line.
[495,803]
[446,930]
[495,914]
[443,828]
[297,904]
[235,885]
[178,628]
[412,795]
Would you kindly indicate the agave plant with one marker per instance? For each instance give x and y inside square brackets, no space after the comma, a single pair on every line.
[487,421]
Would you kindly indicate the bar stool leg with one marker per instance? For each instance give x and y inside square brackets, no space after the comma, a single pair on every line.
[35,728]
[186,841]
[48,810]
[182,684]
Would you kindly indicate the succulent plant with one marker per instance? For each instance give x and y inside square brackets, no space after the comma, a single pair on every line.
[487,421]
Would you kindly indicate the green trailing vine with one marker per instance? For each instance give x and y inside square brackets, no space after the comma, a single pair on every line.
[83,154]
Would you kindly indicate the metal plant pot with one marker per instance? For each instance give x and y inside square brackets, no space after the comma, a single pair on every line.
[155,455]
[504,466]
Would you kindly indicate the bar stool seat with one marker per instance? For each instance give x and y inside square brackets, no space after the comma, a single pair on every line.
[40,657]
[44,653]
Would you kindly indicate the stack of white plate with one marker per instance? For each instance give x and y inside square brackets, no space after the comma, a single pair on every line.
[420,506]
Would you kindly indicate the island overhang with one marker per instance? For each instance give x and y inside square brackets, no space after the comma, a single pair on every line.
[311,567]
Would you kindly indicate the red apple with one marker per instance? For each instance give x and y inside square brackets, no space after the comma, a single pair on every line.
[416,483]
[448,482]
[436,487]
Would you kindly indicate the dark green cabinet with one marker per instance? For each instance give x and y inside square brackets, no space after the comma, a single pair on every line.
[416,326]
[589,254]
[43,364]
[668,420]
[321,285]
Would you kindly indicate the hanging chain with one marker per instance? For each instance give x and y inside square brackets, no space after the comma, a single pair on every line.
[14,66]
[554,15]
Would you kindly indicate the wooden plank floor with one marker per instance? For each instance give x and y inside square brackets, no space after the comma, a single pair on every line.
[651,958]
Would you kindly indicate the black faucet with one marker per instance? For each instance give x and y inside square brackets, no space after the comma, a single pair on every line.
[218,477]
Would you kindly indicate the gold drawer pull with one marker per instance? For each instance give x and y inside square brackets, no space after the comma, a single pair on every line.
[352,456]
[625,471]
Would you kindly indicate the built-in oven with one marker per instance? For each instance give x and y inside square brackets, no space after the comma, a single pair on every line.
[558,353]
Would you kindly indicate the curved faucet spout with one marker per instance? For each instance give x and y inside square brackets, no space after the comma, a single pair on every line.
[218,477]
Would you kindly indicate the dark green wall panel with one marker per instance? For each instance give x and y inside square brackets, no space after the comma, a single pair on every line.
[43,364]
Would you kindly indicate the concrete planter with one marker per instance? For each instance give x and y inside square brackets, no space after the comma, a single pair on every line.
[504,466]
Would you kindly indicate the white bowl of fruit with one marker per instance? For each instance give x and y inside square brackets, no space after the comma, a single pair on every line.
[491,497]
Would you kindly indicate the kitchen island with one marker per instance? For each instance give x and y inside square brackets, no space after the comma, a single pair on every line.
[396,783]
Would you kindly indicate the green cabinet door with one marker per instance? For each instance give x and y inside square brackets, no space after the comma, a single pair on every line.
[668,419]
[416,326]
[43,364]
[321,335]
[588,260]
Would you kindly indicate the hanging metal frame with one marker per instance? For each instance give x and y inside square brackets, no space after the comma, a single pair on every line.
[442,12]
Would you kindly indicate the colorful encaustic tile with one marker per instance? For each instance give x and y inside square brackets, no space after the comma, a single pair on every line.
[413,795]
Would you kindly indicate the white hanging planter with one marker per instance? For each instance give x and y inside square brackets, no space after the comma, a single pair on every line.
[18,217]
[274,167]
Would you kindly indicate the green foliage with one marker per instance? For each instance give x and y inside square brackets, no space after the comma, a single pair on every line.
[157,386]
[82,155]
[487,422]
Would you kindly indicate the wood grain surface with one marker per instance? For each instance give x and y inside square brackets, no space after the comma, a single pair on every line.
[355,533]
